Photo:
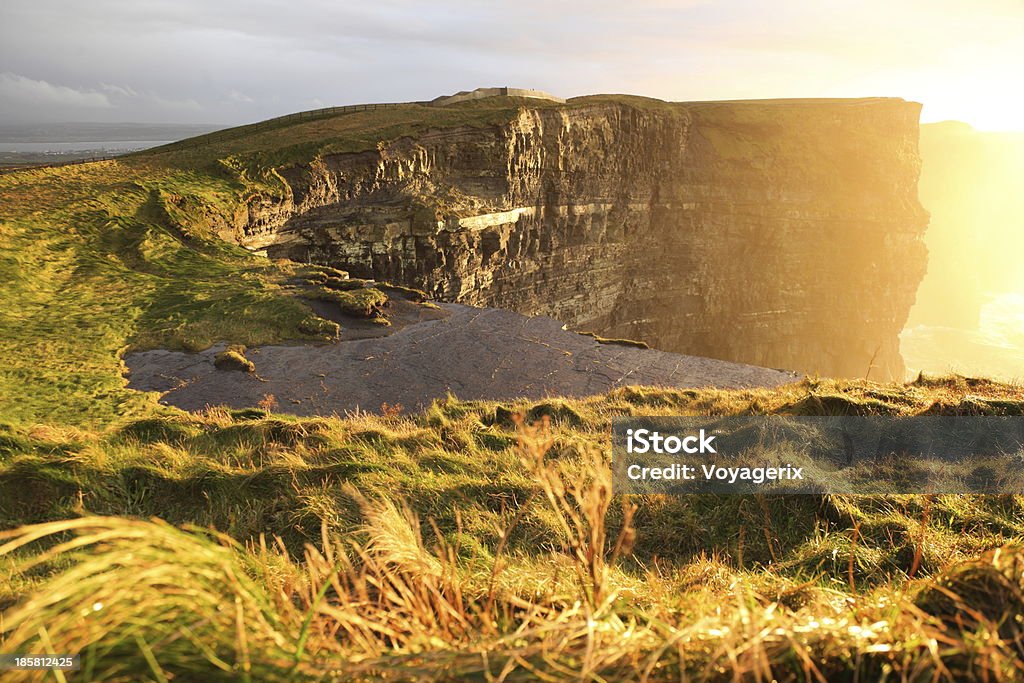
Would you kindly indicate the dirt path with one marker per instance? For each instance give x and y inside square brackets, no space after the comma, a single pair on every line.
[471,352]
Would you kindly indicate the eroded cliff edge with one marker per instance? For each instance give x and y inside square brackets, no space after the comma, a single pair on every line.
[777,233]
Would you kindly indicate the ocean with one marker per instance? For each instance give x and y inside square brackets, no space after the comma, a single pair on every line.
[63,147]
[995,349]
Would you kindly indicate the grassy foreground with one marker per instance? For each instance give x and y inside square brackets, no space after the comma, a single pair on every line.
[462,543]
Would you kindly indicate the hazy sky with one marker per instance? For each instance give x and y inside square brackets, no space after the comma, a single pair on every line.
[232,61]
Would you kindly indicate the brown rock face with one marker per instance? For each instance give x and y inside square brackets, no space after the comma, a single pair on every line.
[778,233]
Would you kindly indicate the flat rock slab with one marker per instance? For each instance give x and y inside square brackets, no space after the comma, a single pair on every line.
[473,353]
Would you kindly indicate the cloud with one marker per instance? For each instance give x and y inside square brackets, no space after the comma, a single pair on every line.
[120,90]
[234,61]
[158,102]
[16,89]
[238,96]
[125,95]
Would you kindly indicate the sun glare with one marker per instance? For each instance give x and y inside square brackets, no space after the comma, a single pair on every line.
[969,314]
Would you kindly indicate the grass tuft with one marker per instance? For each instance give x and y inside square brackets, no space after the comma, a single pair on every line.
[233,358]
[366,302]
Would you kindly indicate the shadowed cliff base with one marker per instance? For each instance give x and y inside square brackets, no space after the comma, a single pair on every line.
[472,353]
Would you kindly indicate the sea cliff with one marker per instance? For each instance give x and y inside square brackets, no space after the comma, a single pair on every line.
[783,233]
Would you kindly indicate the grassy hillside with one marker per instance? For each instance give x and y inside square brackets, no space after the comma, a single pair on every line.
[102,257]
[459,543]
[297,139]
[453,543]
[93,261]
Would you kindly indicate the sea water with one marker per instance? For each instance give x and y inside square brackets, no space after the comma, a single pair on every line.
[995,349]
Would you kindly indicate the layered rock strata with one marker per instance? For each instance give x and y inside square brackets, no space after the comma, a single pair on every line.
[778,233]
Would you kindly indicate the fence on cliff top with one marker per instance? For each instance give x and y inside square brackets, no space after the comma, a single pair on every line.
[298,117]
[237,131]
[228,133]
[55,164]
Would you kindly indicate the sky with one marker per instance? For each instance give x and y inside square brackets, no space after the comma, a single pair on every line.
[237,61]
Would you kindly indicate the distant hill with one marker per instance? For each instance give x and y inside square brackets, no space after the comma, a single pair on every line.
[100,132]
[31,144]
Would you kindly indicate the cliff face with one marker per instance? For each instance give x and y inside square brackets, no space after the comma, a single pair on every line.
[785,234]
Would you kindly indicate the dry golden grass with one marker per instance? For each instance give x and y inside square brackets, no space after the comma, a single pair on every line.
[145,600]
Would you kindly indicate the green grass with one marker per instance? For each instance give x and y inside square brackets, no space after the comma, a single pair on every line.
[245,472]
[233,358]
[94,263]
[253,150]
[506,555]
[364,302]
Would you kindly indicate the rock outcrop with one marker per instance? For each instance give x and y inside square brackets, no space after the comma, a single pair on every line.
[778,233]
[473,353]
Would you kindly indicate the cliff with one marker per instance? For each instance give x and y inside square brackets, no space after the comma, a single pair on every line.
[778,233]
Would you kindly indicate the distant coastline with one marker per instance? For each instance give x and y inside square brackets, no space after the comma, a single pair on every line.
[55,147]
[25,144]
